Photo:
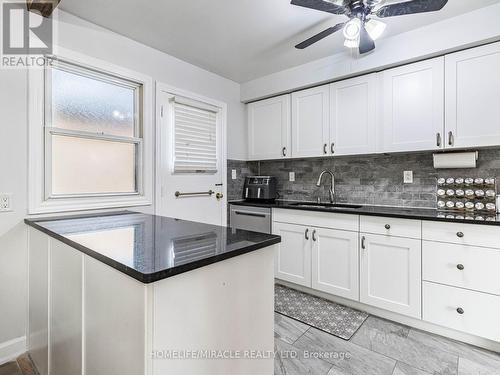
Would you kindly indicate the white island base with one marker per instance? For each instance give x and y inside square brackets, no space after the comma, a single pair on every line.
[88,318]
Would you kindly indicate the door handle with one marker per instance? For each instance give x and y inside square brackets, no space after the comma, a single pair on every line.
[244,213]
[306,234]
[363,242]
[450,138]
[314,235]
[324,149]
[438,139]
[219,196]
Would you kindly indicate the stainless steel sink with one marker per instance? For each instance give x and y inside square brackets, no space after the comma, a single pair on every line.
[326,205]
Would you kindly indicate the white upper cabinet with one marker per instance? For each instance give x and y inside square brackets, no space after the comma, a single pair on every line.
[353,114]
[413,107]
[473,97]
[310,122]
[269,128]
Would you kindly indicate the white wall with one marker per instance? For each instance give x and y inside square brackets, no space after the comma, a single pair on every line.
[467,30]
[83,37]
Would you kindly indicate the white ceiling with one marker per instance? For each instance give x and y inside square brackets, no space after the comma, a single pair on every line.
[237,39]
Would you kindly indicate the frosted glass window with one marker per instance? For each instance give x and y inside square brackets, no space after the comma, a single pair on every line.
[92,166]
[92,104]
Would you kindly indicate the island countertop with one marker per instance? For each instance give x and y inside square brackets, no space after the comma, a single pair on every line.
[150,248]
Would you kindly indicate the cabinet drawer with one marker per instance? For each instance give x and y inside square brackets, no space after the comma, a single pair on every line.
[391,226]
[461,233]
[317,219]
[480,310]
[463,266]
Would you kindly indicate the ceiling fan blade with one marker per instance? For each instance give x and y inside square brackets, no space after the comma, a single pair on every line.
[411,7]
[316,38]
[366,44]
[322,5]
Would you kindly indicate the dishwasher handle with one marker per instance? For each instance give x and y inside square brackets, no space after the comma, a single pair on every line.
[247,213]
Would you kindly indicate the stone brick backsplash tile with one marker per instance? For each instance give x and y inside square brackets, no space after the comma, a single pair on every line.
[367,179]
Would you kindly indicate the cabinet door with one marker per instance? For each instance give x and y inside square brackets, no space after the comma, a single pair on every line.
[390,273]
[310,122]
[269,128]
[353,116]
[293,256]
[473,97]
[413,107]
[335,262]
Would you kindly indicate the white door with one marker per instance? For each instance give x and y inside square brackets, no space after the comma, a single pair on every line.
[473,97]
[293,257]
[310,122]
[269,128]
[413,107]
[353,116]
[194,195]
[335,262]
[390,273]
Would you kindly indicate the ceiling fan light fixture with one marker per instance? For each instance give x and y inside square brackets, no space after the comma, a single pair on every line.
[351,43]
[352,29]
[375,28]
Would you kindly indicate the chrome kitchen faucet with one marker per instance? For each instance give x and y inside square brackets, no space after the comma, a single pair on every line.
[332,183]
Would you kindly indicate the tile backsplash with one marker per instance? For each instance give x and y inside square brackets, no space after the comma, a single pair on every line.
[367,179]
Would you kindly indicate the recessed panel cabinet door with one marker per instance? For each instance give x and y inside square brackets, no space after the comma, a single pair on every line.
[269,128]
[353,116]
[310,122]
[293,256]
[335,262]
[473,97]
[413,107]
[390,273]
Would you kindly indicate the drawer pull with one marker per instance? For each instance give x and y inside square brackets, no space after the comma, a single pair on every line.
[387,226]
[460,311]
[363,243]
[314,235]
[460,234]
[460,267]
[306,234]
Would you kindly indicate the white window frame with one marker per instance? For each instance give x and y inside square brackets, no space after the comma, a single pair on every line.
[40,199]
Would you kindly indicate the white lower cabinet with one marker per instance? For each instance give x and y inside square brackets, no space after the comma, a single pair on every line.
[462,309]
[293,256]
[390,273]
[335,262]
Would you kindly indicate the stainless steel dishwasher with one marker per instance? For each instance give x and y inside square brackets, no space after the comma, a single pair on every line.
[257,219]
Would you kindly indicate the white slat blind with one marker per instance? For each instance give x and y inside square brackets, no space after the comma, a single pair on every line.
[195,137]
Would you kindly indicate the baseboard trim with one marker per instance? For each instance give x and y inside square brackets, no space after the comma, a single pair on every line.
[10,350]
[412,322]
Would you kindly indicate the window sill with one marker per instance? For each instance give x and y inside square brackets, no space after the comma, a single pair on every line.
[84,204]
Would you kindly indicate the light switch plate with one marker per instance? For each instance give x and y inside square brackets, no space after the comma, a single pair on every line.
[5,202]
[291,176]
[233,174]
[408,177]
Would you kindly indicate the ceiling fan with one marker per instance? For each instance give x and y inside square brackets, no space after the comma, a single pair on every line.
[361,30]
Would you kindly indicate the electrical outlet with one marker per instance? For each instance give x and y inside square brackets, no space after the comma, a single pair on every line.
[233,174]
[291,176]
[5,202]
[408,177]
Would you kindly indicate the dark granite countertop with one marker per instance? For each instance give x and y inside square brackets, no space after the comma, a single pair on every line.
[385,211]
[150,248]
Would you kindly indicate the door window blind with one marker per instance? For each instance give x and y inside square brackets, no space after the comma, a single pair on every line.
[195,137]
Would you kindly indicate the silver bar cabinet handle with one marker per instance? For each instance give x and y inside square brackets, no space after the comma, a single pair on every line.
[332,147]
[324,149]
[438,139]
[283,151]
[450,138]
[314,235]
[306,234]
[363,242]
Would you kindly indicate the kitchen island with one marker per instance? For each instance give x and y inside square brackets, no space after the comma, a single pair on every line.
[130,293]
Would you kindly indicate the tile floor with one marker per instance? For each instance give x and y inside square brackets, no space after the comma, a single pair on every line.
[379,347]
